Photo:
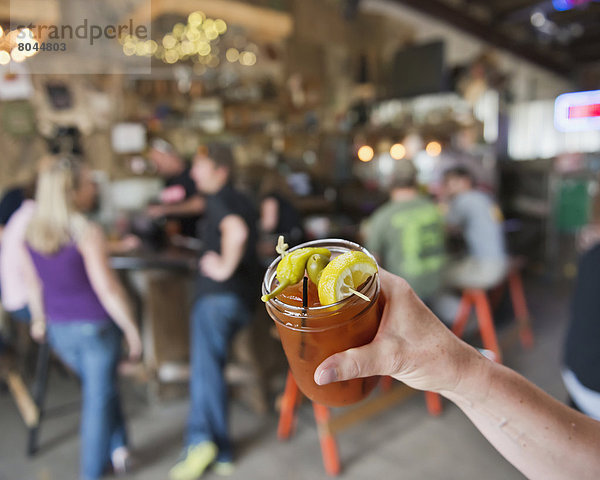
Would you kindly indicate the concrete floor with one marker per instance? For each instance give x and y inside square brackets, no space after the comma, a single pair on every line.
[403,442]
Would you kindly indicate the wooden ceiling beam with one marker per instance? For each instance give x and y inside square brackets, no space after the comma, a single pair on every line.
[488,34]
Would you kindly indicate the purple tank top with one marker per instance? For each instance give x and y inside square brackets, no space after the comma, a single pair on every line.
[67,291]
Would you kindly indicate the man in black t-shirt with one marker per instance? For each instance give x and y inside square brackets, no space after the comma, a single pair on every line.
[180,197]
[227,289]
[581,372]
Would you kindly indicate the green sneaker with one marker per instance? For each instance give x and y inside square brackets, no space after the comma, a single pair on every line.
[195,461]
[225,469]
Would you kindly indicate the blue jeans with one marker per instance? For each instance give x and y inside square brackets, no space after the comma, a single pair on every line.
[215,319]
[92,350]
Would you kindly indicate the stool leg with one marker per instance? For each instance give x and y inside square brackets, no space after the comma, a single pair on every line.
[496,295]
[39,394]
[519,303]
[329,449]
[288,405]
[386,383]
[462,317]
[434,403]
[486,324]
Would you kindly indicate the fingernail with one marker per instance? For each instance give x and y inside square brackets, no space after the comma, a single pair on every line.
[327,376]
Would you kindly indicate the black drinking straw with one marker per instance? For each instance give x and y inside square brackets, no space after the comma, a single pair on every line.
[304,295]
[304,312]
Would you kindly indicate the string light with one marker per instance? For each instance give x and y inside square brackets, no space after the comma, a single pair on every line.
[232,55]
[365,153]
[189,41]
[140,49]
[187,47]
[129,48]
[220,26]
[211,34]
[203,49]
[171,56]
[17,55]
[247,59]
[398,151]
[433,149]
[195,19]
[169,41]
[178,30]
[11,40]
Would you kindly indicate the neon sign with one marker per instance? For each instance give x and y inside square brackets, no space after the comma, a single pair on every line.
[562,5]
[577,111]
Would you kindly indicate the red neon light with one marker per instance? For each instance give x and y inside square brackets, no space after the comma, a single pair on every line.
[584,111]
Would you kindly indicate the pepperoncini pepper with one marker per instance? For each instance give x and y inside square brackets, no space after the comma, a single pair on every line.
[315,265]
[292,266]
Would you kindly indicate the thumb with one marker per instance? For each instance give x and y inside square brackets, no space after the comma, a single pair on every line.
[357,362]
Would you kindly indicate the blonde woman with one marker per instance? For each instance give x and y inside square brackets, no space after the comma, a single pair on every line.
[76,299]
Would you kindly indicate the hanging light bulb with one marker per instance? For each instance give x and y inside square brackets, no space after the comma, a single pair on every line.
[365,153]
[398,151]
[434,149]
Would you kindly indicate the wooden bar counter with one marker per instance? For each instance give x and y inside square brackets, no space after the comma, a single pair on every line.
[161,284]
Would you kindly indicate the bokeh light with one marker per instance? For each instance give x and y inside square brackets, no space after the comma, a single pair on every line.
[365,153]
[232,55]
[195,19]
[194,40]
[169,41]
[171,56]
[398,151]
[129,48]
[203,48]
[220,26]
[247,58]
[16,55]
[178,30]
[4,57]
[433,149]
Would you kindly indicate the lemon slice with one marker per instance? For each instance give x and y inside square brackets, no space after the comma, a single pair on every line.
[347,271]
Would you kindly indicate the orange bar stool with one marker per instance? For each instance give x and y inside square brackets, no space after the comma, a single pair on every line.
[471,298]
[328,425]
[478,298]
[287,418]
[519,303]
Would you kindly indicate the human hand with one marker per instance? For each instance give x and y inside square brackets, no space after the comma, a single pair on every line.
[211,266]
[38,330]
[155,211]
[411,345]
[134,344]
[129,243]
[173,194]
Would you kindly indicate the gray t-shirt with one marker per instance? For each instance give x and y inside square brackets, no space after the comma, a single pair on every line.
[480,220]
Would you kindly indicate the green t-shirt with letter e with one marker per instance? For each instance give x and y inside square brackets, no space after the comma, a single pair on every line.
[408,239]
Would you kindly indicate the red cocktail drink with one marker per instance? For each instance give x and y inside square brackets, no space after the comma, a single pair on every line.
[311,334]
